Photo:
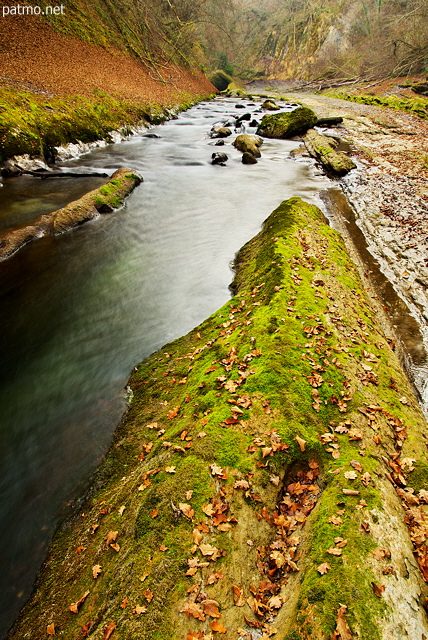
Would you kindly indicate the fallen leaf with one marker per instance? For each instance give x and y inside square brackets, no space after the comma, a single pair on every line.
[143,577]
[186,509]
[148,594]
[122,509]
[238,596]
[365,479]
[108,630]
[74,606]
[340,542]
[170,469]
[197,536]
[378,589]
[193,610]
[173,412]
[357,465]
[323,568]
[274,479]
[208,550]
[342,632]
[333,551]
[139,609]
[241,484]
[96,570]
[350,492]
[211,608]
[350,475]
[213,577]
[50,630]
[163,548]
[124,603]
[217,626]
[301,443]
[111,537]
[189,494]
[275,602]
[154,513]
[115,546]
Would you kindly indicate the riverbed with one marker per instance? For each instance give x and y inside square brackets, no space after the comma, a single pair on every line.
[79,311]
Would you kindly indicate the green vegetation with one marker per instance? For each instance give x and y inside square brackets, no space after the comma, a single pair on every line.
[34,124]
[416,106]
[223,425]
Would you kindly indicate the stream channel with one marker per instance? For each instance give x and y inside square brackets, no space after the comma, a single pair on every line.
[78,311]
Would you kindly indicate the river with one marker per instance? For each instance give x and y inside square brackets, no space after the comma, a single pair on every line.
[79,311]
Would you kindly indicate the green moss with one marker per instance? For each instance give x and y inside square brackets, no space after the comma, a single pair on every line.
[415,106]
[287,125]
[30,124]
[418,478]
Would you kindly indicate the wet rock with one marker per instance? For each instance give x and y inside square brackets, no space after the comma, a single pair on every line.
[10,170]
[220,132]
[239,106]
[270,105]
[219,158]
[287,125]
[323,148]
[219,143]
[254,123]
[245,116]
[247,142]
[248,158]
[328,121]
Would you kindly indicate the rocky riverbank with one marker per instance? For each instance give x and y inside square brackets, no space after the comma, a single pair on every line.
[389,191]
[269,477]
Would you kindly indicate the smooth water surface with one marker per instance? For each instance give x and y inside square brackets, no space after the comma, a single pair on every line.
[80,310]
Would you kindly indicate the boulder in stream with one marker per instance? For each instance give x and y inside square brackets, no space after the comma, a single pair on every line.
[270,105]
[248,158]
[220,132]
[287,125]
[219,158]
[249,143]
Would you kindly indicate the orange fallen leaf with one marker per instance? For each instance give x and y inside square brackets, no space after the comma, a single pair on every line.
[378,589]
[350,492]
[115,546]
[211,608]
[50,630]
[80,548]
[154,513]
[213,577]
[111,537]
[124,603]
[238,596]
[217,626]
[74,606]
[301,443]
[342,631]
[193,610]
[108,630]
[324,568]
[139,609]
[333,551]
[148,594]
[170,469]
[96,570]
[173,412]
[186,509]
[163,548]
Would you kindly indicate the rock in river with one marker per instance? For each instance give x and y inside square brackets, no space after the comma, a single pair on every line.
[287,125]
[248,142]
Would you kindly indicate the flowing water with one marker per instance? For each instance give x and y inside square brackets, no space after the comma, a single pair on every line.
[80,310]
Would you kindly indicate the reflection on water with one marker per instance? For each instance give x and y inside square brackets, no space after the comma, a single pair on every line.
[80,310]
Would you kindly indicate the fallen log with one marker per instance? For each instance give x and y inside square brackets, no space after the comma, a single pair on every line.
[266,476]
[101,200]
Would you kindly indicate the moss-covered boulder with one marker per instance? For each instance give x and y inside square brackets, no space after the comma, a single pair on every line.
[233,90]
[249,143]
[270,105]
[287,124]
[101,200]
[262,476]
[220,79]
[324,149]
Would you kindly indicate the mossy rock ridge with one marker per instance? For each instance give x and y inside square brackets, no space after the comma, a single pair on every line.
[259,474]
[102,200]
[323,149]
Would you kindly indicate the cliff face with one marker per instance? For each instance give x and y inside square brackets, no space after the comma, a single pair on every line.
[269,477]
[310,38]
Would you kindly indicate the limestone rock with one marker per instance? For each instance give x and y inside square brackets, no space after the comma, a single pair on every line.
[287,125]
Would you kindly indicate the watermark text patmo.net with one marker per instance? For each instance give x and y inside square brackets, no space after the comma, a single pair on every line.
[29,10]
